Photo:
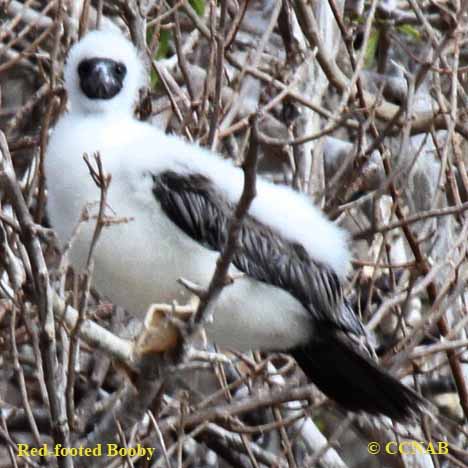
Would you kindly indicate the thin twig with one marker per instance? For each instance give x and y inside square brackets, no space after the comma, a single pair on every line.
[219,278]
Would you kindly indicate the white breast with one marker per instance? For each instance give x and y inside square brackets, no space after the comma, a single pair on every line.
[138,263]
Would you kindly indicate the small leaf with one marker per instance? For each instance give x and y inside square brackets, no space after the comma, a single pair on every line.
[154,79]
[198,6]
[409,30]
[163,46]
[161,53]
[371,49]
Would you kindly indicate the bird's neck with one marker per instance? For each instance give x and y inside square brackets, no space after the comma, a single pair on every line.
[103,117]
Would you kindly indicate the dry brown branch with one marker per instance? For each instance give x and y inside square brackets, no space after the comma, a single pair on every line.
[220,275]
[43,294]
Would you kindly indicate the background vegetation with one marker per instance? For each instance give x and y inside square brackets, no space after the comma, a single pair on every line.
[360,104]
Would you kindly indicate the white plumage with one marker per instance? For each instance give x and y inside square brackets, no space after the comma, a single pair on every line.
[292,301]
[138,263]
[104,44]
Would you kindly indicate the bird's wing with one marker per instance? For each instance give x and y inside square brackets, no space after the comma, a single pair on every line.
[202,212]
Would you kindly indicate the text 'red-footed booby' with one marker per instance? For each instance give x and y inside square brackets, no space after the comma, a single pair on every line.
[180,198]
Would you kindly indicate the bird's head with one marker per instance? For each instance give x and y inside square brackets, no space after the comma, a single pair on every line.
[103,74]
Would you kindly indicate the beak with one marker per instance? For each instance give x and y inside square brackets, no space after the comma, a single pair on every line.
[100,78]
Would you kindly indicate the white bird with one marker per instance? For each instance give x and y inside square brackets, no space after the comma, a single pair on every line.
[179,198]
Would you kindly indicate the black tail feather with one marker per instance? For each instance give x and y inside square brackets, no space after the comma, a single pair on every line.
[353,380]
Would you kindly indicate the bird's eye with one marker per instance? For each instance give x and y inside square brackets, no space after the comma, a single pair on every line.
[120,69]
[84,68]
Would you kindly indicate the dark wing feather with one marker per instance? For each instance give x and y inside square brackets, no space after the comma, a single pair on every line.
[203,213]
[336,358]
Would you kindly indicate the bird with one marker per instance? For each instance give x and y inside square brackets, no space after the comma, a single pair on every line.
[291,263]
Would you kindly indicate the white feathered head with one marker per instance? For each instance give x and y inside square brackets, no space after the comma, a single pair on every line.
[103,73]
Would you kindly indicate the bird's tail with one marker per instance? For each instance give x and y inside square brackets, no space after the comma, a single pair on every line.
[345,374]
